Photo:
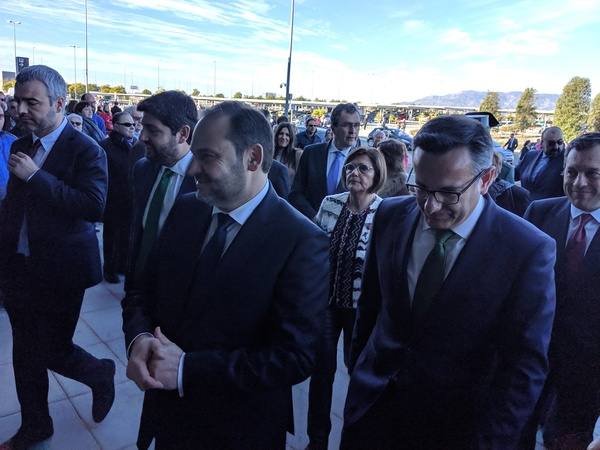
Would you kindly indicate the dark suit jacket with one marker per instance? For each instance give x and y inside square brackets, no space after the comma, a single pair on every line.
[575,347]
[279,178]
[145,172]
[548,183]
[478,358]
[310,183]
[248,339]
[61,202]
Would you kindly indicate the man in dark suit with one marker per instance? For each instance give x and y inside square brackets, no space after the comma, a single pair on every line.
[279,178]
[49,252]
[161,177]
[574,380]
[512,143]
[235,292]
[454,320]
[320,167]
[541,172]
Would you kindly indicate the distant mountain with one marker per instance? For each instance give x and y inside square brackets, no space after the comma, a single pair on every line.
[472,99]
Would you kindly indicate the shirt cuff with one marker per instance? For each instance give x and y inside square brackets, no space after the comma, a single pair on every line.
[31,176]
[180,375]
[133,340]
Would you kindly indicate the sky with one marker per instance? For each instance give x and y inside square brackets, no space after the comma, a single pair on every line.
[380,51]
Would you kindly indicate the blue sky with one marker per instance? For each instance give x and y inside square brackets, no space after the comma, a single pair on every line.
[381,50]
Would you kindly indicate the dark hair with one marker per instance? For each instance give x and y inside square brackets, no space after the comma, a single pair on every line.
[247,126]
[54,82]
[173,109]
[349,108]
[378,161]
[393,152]
[308,119]
[117,116]
[553,128]
[445,133]
[285,155]
[80,105]
[71,106]
[584,142]
[83,96]
[282,118]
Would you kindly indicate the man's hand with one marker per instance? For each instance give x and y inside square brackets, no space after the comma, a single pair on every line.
[164,363]
[22,166]
[137,367]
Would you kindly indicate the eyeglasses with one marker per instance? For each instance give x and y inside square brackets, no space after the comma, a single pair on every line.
[443,197]
[75,124]
[362,168]
[126,124]
[312,125]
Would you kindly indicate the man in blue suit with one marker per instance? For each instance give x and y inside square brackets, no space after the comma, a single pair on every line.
[49,252]
[320,167]
[541,172]
[573,385]
[230,309]
[454,320]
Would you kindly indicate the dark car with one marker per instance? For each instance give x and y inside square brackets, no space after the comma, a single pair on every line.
[393,133]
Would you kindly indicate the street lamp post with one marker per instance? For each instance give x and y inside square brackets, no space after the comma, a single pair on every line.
[74,69]
[86,49]
[14,24]
[289,64]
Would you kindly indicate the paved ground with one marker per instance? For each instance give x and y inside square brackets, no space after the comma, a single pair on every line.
[99,332]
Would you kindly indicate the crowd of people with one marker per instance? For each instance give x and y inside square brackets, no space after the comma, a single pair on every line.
[469,303]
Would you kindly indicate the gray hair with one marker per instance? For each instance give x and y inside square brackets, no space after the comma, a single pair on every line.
[54,82]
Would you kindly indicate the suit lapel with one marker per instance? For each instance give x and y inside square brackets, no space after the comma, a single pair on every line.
[558,227]
[321,168]
[592,256]
[55,160]
[188,185]
[402,248]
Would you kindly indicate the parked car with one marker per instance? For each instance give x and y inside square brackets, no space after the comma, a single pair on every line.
[394,133]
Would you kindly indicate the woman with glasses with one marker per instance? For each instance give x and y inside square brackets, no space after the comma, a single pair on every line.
[347,218]
[285,152]
[118,203]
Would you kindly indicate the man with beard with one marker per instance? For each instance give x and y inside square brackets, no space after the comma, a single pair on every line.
[541,172]
[320,167]
[118,147]
[159,178]
[234,292]
[49,252]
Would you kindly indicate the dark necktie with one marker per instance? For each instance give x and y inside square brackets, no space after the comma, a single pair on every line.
[151,225]
[334,172]
[34,148]
[431,277]
[212,253]
[575,250]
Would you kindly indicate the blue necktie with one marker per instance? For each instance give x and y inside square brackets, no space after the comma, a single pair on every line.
[334,172]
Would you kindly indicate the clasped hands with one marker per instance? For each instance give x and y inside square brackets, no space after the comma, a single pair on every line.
[154,362]
[22,166]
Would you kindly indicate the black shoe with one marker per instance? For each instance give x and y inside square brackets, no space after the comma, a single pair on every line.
[112,278]
[103,394]
[23,440]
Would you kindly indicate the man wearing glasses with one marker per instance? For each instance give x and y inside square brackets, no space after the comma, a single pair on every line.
[308,136]
[118,147]
[454,320]
[320,167]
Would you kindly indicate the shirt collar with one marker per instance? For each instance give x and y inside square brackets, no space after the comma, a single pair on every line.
[333,149]
[576,212]
[181,166]
[241,213]
[465,228]
[50,139]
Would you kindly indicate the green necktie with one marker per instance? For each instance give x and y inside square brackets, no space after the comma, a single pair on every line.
[431,277]
[152,220]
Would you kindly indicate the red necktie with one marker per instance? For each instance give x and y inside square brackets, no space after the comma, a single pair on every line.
[575,250]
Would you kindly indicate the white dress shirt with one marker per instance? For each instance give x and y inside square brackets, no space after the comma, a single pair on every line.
[424,241]
[47,143]
[331,149]
[180,169]
[590,228]
[240,215]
